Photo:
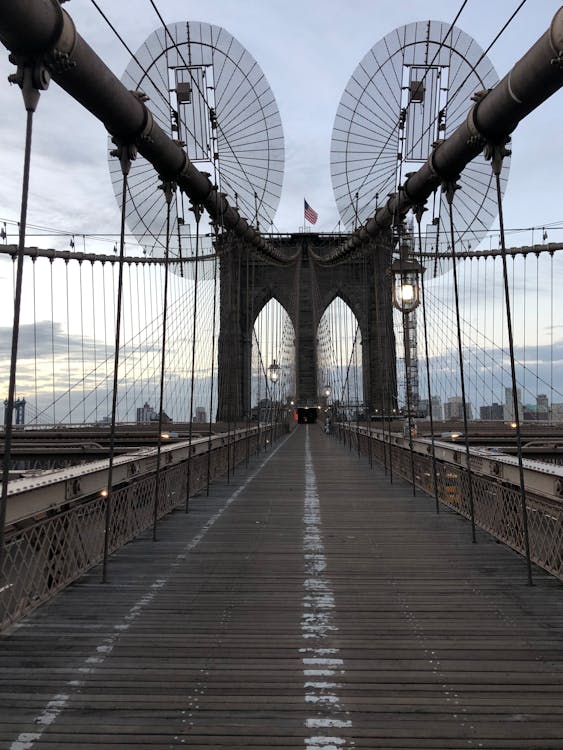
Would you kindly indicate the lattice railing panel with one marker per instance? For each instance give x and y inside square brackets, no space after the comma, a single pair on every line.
[47,556]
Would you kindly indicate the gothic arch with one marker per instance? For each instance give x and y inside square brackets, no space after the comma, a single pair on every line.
[262,300]
[354,304]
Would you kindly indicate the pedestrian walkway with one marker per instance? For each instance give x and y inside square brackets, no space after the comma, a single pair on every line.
[309,604]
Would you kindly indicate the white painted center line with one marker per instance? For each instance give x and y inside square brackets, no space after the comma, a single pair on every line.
[316,626]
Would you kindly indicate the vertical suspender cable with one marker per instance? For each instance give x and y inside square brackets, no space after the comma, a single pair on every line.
[197,213]
[537,331]
[381,354]
[51,261]
[240,394]
[524,319]
[131,338]
[31,102]
[106,357]
[248,333]
[93,372]
[215,262]
[366,395]
[82,345]
[257,339]
[125,165]
[450,189]
[140,318]
[418,214]
[356,394]
[35,378]
[407,361]
[68,342]
[497,163]
[551,340]
[168,189]
[124,324]
[252,344]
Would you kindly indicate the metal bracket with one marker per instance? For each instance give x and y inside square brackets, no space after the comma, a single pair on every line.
[169,188]
[144,134]
[126,153]
[197,210]
[32,77]
[475,135]
[418,209]
[495,153]
[449,187]
[430,161]
[34,74]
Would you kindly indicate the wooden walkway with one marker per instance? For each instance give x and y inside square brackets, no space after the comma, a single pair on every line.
[312,605]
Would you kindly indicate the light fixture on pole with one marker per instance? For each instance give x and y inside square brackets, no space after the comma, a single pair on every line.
[327,391]
[274,372]
[406,298]
[406,284]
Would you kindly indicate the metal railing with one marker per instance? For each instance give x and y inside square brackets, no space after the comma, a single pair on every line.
[496,493]
[56,544]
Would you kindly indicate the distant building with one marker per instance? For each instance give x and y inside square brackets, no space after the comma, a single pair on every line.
[424,411]
[146,414]
[494,411]
[453,408]
[557,412]
[542,406]
[538,411]
[200,414]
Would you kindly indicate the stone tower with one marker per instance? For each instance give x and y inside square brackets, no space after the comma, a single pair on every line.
[305,287]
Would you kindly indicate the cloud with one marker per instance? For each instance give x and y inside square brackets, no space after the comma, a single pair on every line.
[45,339]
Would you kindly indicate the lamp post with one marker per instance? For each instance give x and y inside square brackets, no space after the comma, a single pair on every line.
[274,375]
[406,298]
[328,420]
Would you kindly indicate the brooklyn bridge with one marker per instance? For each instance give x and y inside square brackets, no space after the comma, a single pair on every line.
[274,485]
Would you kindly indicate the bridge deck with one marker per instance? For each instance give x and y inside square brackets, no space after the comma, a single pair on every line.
[315,606]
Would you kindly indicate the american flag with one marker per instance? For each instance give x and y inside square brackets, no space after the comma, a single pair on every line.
[310,215]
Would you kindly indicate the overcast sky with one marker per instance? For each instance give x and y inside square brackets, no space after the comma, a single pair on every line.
[308,52]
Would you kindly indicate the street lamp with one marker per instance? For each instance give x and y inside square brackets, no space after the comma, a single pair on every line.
[274,372]
[327,390]
[406,298]
[406,287]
